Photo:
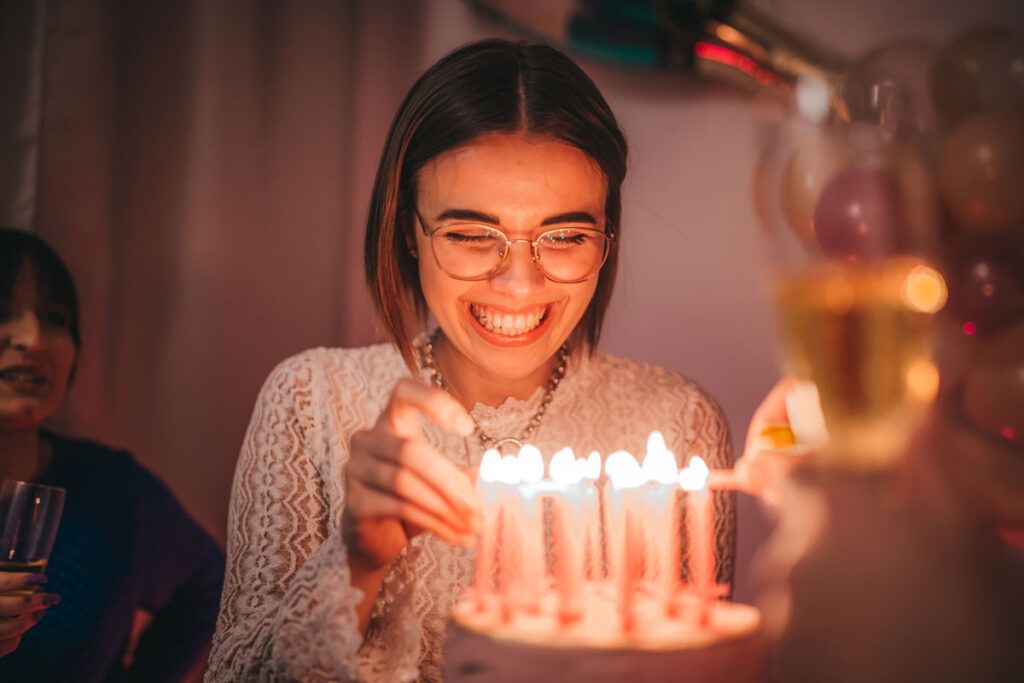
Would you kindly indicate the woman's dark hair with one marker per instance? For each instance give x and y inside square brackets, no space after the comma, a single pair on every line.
[491,86]
[53,280]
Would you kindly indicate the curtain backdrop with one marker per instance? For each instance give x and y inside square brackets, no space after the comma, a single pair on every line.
[203,169]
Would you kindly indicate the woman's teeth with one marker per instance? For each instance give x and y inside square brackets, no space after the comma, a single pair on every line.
[22,376]
[507,323]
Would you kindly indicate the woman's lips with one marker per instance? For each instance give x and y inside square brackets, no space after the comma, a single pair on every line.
[25,379]
[498,338]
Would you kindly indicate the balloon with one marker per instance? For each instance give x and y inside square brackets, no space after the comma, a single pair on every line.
[994,393]
[889,87]
[982,68]
[980,170]
[985,276]
[859,214]
[817,160]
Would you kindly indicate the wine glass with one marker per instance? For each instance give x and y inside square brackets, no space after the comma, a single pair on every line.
[851,212]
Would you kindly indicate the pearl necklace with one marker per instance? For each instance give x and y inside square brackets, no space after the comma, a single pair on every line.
[486,440]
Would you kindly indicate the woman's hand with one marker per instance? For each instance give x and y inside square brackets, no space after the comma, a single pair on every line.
[20,607]
[397,485]
[762,466]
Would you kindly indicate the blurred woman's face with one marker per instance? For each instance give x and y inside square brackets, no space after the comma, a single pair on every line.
[510,324]
[36,354]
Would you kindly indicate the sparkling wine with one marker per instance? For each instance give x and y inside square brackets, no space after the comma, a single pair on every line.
[30,566]
[861,333]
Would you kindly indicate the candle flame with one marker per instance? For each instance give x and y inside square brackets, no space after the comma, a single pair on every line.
[695,476]
[659,463]
[592,467]
[531,464]
[490,466]
[563,468]
[509,470]
[624,470]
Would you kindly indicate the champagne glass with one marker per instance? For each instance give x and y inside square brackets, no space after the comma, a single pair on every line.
[29,518]
[850,211]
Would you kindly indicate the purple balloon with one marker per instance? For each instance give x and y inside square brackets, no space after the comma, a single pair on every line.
[985,274]
[859,214]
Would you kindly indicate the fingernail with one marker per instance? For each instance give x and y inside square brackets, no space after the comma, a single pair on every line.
[465,425]
[36,580]
[51,599]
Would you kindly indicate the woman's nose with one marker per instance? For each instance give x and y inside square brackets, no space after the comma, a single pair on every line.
[23,331]
[521,275]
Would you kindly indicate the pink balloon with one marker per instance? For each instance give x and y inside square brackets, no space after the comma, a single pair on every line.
[981,171]
[888,87]
[859,214]
[816,161]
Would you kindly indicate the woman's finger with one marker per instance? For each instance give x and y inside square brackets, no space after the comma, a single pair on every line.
[410,399]
[25,581]
[387,477]
[370,503]
[9,645]
[13,628]
[16,604]
[435,469]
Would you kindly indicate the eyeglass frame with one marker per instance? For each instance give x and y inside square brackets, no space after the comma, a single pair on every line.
[609,236]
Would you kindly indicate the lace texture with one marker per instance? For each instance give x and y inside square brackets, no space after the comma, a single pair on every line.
[288,609]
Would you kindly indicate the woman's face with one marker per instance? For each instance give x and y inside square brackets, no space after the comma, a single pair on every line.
[36,355]
[510,325]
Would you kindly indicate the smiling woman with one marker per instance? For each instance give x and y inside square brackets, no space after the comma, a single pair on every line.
[496,215]
[125,546]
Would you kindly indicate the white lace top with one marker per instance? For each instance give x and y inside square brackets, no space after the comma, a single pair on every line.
[288,609]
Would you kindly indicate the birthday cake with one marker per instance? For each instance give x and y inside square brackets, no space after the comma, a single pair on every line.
[578,577]
[730,646]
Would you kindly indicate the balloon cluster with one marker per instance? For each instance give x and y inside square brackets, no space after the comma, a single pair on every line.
[951,122]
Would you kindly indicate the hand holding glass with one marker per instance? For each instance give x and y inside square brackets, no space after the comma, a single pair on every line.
[29,518]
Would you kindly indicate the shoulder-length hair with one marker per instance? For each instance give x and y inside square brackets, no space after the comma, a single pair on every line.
[490,86]
[53,282]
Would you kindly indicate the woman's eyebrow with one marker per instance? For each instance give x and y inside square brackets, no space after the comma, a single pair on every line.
[481,217]
[467,215]
[570,217]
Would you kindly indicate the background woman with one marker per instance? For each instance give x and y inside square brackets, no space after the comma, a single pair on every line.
[496,212]
[125,546]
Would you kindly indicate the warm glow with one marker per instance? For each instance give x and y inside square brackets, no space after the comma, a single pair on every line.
[695,476]
[592,467]
[659,463]
[531,464]
[563,469]
[924,290]
[509,470]
[490,466]
[923,379]
[624,471]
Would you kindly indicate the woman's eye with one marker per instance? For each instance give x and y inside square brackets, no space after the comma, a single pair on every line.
[468,237]
[566,238]
[55,318]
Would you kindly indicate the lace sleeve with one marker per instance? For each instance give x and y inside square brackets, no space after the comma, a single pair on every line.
[707,435]
[288,608]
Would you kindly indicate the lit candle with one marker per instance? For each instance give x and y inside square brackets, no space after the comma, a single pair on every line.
[626,537]
[487,488]
[700,523]
[590,471]
[532,563]
[661,492]
[511,531]
[568,522]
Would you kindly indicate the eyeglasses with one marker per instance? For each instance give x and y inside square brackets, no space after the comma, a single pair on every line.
[476,251]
